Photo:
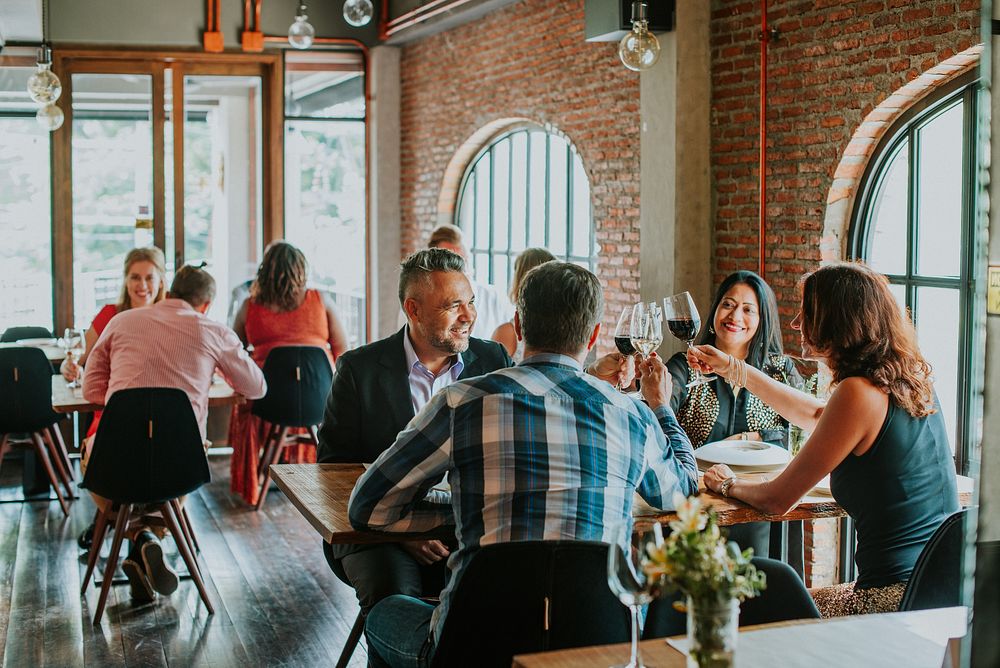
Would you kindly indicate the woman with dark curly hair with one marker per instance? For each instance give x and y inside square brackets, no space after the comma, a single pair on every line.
[880,436]
[281,311]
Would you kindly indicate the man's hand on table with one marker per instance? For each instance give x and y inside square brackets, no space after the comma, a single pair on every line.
[426,552]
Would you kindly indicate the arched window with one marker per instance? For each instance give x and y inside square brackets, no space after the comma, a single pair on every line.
[913,221]
[527,188]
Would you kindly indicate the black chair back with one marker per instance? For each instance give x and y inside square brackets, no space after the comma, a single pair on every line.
[26,391]
[148,448]
[499,607]
[298,383]
[785,598]
[12,334]
[936,581]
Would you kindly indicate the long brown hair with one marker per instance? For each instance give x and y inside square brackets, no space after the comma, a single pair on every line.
[850,315]
[150,254]
[525,262]
[281,277]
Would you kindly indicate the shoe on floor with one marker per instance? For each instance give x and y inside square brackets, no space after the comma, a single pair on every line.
[139,588]
[86,539]
[160,574]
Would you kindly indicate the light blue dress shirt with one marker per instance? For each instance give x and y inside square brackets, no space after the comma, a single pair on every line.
[423,383]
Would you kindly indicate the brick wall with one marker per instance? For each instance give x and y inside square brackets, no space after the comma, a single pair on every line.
[834,61]
[527,60]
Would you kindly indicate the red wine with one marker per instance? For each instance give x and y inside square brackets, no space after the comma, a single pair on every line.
[624,345]
[684,329]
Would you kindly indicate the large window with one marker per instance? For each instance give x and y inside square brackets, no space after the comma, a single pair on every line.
[528,188]
[25,219]
[913,222]
[325,207]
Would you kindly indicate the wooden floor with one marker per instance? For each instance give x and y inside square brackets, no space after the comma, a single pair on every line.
[276,601]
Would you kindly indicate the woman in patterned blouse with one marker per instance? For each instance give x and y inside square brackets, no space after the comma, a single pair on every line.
[744,324]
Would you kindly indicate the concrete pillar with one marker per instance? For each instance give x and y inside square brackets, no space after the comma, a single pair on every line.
[383,212]
[675,189]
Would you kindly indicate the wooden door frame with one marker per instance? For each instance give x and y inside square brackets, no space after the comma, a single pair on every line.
[66,62]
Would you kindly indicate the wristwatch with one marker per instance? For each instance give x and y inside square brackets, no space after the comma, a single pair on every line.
[726,485]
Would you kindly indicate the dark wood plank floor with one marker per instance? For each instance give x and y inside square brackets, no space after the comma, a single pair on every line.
[276,601]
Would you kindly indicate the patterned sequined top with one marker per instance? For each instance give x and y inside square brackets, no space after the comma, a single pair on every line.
[711,412]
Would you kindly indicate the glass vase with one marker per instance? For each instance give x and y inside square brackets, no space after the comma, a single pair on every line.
[711,633]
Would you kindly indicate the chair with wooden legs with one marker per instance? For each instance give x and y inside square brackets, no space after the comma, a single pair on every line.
[147,455]
[26,388]
[298,383]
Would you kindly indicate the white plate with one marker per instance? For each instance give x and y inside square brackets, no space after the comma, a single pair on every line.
[745,454]
[36,342]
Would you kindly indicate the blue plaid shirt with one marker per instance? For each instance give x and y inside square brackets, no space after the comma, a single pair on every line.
[537,451]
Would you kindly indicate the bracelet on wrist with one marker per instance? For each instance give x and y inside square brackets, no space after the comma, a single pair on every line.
[726,485]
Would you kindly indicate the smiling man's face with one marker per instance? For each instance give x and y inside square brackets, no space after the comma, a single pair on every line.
[444,312]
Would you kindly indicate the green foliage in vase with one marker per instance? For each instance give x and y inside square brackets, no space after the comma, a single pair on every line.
[698,561]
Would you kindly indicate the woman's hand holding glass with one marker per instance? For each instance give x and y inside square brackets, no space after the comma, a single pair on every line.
[708,359]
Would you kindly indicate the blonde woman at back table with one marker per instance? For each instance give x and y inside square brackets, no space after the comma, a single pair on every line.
[525,262]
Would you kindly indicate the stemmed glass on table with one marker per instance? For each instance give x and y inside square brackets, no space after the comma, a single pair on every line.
[684,322]
[74,341]
[627,579]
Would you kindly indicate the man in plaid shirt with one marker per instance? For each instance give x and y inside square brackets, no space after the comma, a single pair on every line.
[538,451]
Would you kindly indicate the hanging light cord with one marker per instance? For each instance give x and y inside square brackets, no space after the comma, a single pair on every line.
[45,22]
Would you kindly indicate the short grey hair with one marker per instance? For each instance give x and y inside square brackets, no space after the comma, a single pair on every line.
[420,265]
[559,305]
[194,285]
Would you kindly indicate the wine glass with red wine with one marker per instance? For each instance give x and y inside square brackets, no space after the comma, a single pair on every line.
[684,322]
[623,338]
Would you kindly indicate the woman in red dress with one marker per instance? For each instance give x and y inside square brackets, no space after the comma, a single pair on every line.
[281,311]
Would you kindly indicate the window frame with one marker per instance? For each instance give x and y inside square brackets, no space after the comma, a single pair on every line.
[905,130]
[488,152]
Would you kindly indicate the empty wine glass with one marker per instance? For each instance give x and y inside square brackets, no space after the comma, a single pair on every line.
[628,581]
[76,347]
[646,331]
[684,322]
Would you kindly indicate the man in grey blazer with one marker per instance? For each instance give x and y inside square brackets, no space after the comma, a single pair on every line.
[378,389]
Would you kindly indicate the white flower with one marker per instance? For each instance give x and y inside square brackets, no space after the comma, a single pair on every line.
[690,517]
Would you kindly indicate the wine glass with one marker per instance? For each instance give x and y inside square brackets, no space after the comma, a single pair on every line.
[628,581]
[623,335]
[646,330]
[684,322]
[77,346]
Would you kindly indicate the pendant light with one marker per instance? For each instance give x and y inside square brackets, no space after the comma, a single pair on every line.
[44,86]
[358,12]
[301,32]
[639,49]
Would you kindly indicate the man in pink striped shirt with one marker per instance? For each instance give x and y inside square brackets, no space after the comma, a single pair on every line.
[169,344]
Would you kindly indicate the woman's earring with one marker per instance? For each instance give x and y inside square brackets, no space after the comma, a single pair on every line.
[711,330]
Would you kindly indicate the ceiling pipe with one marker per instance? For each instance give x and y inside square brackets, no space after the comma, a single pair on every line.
[764,37]
[212,38]
[416,16]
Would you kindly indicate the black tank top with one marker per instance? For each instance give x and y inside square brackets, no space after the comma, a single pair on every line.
[898,492]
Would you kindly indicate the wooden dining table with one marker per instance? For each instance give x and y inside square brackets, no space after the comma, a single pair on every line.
[320,492]
[67,399]
[916,639]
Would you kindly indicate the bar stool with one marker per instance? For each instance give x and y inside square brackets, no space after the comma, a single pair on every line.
[26,388]
[148,451]
[298,382]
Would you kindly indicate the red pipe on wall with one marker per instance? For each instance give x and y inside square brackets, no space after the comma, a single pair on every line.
[762,164]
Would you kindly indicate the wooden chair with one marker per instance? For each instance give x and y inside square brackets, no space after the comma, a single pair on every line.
[148,451]
[26,408]
[298,382]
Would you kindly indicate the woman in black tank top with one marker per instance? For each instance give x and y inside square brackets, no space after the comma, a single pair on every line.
[880,436]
